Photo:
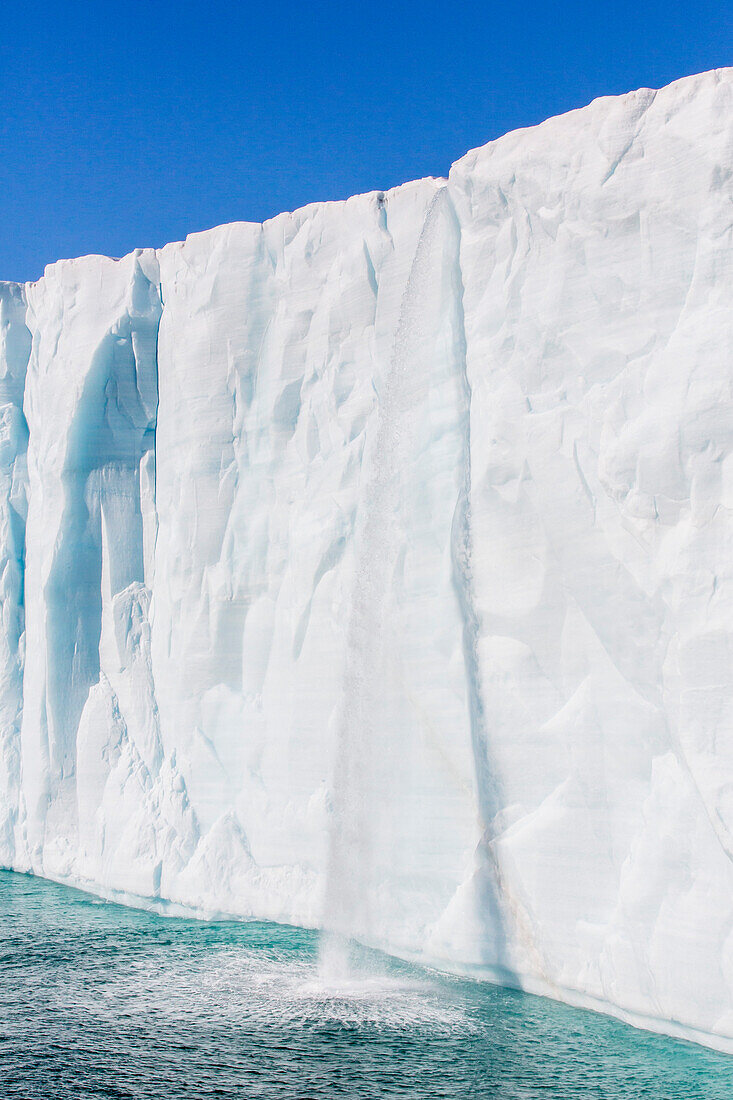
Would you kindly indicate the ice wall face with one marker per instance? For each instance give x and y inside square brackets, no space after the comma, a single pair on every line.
[91,405]
[15,342]
[599,335]
[371,568]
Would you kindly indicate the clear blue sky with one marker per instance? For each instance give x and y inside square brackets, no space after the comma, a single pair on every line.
[134,124]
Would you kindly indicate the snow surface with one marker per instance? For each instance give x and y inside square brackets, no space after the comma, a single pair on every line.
[373,567]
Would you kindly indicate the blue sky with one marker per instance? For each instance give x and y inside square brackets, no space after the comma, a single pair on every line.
[134,124]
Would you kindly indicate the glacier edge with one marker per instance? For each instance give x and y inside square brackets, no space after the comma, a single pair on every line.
[478,704]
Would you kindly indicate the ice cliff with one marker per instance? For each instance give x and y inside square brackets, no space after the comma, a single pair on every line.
[373,567]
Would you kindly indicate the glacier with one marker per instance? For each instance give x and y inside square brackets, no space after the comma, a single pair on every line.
[372,568]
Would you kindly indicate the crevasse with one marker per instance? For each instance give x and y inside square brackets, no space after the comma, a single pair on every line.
[371,568]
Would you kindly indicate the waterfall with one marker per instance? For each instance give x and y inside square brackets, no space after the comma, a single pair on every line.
[378,544]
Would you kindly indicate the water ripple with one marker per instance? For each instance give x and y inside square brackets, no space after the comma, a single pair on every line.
[101,1001]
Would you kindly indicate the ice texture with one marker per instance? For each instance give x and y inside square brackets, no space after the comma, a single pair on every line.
[372,568]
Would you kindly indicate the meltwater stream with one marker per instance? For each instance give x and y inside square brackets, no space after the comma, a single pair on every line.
[363,715]
[97,1000]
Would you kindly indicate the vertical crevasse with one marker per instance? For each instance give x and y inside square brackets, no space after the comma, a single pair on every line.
[489,910]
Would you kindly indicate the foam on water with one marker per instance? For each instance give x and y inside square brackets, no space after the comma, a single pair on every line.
[269,988]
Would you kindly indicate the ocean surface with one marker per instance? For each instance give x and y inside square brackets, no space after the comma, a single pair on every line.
[97,1000]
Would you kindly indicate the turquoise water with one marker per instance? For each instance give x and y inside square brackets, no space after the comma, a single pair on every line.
[97,1000]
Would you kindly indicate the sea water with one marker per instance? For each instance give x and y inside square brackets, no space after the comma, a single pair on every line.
[98,1000]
